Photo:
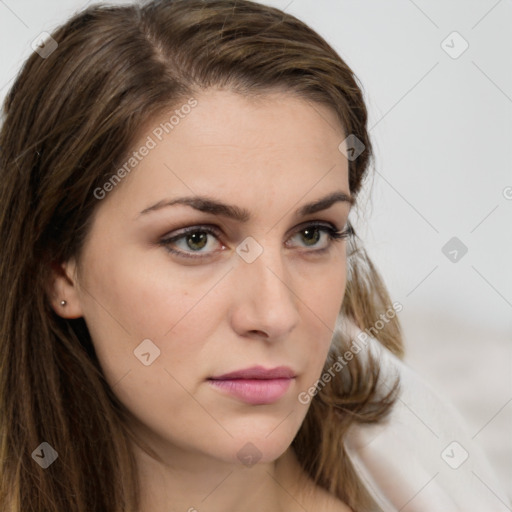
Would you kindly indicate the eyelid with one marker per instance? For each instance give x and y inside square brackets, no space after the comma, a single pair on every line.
[332,230]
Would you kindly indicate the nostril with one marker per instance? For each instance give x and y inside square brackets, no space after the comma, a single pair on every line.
[259,333]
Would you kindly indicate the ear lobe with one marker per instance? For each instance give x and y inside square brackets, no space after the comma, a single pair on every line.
[63,290]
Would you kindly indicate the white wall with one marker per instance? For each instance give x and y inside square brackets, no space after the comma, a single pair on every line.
[442,132]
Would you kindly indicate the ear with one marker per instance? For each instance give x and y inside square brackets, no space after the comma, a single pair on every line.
[63,290]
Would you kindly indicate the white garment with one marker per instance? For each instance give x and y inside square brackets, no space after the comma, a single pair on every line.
[422,459]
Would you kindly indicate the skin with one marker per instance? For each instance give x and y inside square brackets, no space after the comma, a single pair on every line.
[218,314]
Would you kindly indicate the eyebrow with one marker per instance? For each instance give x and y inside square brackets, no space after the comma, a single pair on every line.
[208,205]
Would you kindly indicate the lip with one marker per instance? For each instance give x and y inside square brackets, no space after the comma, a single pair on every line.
[256,385]
[258,372]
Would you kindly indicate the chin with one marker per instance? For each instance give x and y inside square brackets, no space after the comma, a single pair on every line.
[258,451]
[264,442]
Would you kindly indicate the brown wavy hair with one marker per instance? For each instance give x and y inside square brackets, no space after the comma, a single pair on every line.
[68,121]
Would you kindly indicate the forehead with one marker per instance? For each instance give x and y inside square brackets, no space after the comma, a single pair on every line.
[225,144]
[269,122]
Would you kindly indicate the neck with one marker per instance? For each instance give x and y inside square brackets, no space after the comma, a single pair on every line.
[194,483]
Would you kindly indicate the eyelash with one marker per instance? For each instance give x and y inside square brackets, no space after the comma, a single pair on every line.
[334,236]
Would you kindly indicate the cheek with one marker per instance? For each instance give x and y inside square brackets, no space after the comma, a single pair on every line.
[128,302]
[323,292]
[126,306]
[322,304]
[330,295]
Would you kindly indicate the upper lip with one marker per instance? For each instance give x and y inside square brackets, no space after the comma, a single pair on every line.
[258,372]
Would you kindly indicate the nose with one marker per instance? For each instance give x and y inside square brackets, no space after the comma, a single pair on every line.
[265,304]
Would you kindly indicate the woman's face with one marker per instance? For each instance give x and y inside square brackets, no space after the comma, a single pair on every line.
[256,282]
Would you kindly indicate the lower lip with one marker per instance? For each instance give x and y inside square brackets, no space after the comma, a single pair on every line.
[254,391]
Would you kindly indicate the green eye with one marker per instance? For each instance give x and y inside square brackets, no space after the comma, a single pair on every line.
[311,235]
[317,236]
[196,241]
[203,241]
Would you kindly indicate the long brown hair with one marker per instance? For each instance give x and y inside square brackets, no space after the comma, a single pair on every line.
[69,122]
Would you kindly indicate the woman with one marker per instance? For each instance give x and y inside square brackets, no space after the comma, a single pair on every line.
[184,295]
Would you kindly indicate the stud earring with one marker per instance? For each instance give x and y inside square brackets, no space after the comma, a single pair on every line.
[63,302]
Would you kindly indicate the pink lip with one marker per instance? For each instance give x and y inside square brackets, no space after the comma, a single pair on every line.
[256,385]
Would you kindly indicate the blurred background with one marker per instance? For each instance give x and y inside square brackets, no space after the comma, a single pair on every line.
[436,216]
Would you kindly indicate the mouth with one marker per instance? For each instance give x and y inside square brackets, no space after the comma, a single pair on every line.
[256,385]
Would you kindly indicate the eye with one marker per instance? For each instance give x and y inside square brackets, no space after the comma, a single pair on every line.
[190,242]
[319,236]
[203,241]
